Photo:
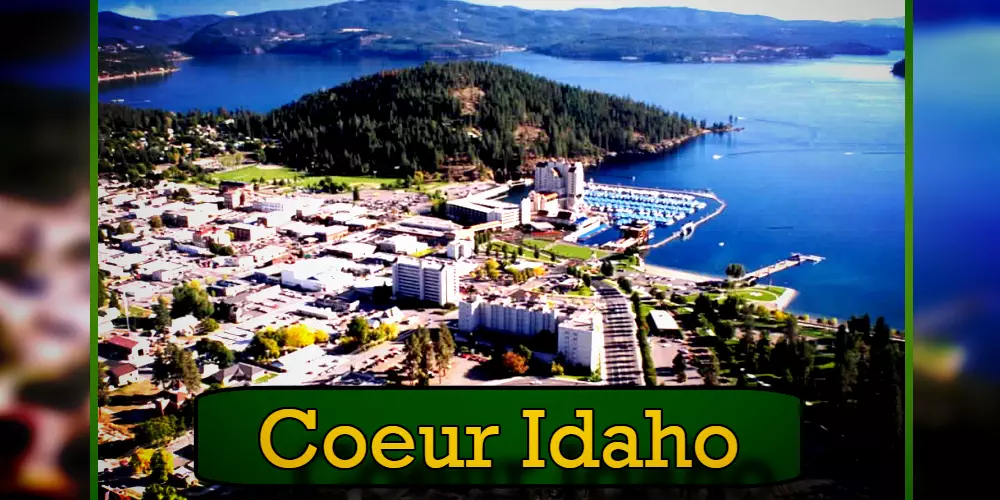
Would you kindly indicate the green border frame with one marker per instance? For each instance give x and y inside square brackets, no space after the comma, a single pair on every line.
[94,265]
[908,287]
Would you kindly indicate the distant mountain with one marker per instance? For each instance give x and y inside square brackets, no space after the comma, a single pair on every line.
[895,22]
[453,29]
[116,28]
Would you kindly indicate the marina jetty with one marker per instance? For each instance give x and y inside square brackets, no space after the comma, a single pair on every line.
[625,205]
[794,260]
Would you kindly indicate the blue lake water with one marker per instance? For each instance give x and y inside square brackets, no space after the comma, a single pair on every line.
[819,168]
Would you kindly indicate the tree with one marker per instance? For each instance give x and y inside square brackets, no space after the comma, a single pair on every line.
[216,352]
[139,461]
[625,284]
[208,325]
[846,357]
[161,310]
[161,492]
[607,268]
[161,465]
[103,391]
[356,194]
[724,330]
[709,371]
[514,363]
[537,253]
[587,280]
[263,349]
[524,352]
[113,302]
[156,222]
[191,298]
[556,369]
[735,271]
[157,431]
[102,293]
[492,269]
[680,368]
[359,330]
[175,364]
[444,349]
[125,227]
[419,356]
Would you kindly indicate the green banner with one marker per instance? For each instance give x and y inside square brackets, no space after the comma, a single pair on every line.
[496,436]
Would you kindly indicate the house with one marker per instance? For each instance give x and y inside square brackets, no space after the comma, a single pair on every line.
[238,373]
[664,323]
[183,325]
[122,374]
[123,348]
[299,359]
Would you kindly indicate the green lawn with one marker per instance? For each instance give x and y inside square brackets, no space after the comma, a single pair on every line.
[529,253]
[756,294]
[423,253]
[265,378]
[583,291]
[139,312]
[535,242]
[250,174]
[576,251]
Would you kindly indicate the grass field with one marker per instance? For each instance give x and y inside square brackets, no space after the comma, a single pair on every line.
[757,294]
[250,174]
[583,291]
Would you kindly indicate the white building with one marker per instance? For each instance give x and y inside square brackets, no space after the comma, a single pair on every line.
[278,204]
[161,270]
[475,210]
[506,316]
[425,280]
[581,338]
[564,179]
[402,244]
[317,275]
[460,249]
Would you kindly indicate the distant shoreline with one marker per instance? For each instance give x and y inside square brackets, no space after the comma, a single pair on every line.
[137,74]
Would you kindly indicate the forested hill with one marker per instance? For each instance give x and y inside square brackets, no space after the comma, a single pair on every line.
[428,29]
[461,114]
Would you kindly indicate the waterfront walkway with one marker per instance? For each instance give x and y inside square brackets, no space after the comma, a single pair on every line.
[795,260]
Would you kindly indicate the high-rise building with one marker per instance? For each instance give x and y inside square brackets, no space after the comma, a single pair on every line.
[564,179]
[581,339]
[425,280]
[506,316]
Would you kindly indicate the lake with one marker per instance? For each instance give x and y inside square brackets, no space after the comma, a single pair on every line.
[819,168]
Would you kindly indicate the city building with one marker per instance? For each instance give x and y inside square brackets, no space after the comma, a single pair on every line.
[353,251]
[143,246]
[275,219]
[235,198]
[581,338]
[402,244]
[122,348]
[562,178]
[664,323]
[477,210]
[460,249]
[265,255]
[249,232]
[161,270]
[505,315]
[425,280]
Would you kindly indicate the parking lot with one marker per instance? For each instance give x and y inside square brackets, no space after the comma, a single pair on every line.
[663,351]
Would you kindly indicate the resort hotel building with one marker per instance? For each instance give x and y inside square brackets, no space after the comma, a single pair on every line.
[564,179]
[579,330]
[425,280]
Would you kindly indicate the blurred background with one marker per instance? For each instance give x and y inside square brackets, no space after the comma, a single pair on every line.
[956,99]
[44,251]
[44,311]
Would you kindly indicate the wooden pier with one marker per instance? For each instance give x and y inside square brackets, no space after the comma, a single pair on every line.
[795,260]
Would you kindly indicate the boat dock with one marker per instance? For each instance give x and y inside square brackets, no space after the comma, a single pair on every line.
[795,260]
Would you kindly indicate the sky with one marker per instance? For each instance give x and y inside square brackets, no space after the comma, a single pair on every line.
[837,10]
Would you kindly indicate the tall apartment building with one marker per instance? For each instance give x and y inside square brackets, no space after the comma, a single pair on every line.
[565,179]
[425,280]
[506,316]
[581,339]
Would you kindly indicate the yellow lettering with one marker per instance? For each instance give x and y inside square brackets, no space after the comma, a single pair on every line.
[630,448]
[449,460]
[380,446]
[479,435]
[359,441]
[658,434]
[308,418]
[586,434]
[732,446]
[533,417]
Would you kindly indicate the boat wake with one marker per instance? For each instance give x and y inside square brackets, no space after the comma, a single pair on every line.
[716,157]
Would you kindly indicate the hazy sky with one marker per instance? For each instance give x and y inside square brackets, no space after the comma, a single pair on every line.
[835,10]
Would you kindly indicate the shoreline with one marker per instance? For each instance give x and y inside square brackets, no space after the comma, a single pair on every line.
[135,75]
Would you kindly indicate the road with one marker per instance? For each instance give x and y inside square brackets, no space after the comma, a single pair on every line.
[621,347]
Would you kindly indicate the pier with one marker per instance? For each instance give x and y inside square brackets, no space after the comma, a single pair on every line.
[795,260]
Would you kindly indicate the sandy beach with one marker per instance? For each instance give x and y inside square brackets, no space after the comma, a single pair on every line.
[678,274]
